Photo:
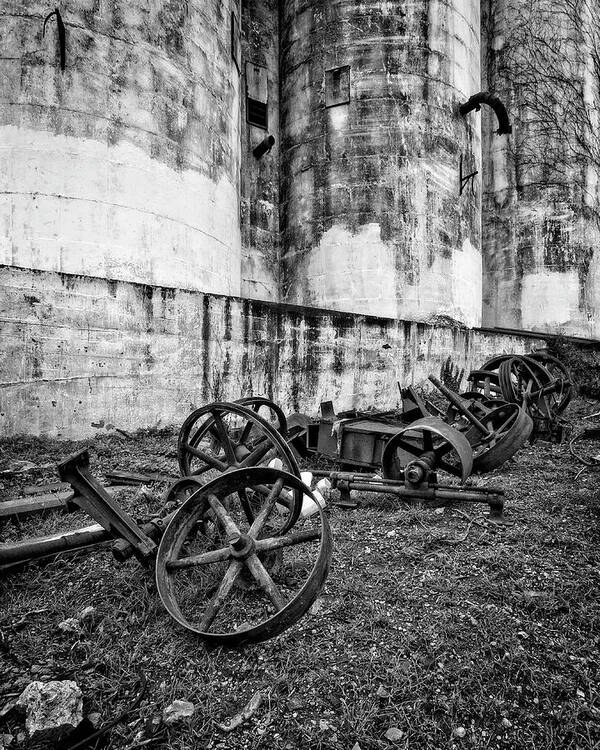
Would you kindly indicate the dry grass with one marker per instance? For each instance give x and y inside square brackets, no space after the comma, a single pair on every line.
[421,626]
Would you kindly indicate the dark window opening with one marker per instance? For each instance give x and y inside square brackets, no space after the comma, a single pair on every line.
[257,113]
[337,86]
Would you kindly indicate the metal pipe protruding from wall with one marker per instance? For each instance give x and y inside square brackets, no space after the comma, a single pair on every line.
[264,146]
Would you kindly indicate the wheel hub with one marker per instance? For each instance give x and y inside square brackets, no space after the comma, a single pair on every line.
[241,546]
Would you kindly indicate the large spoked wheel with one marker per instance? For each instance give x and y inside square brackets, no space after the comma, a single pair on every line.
[523,381]
[562,376]
[485,382]
[228,585]
[434,443]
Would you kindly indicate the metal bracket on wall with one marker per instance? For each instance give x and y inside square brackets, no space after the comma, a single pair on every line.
[464,179]
[61,35]
[485,97]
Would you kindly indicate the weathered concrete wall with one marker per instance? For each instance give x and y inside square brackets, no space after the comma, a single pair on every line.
[82,355]
[126,165]
[260,177]
[541,238]
[372,220]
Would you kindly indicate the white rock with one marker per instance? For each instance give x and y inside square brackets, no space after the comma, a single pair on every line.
[51,708]
[459,732]
[70,625]
[177,711]
[394,734]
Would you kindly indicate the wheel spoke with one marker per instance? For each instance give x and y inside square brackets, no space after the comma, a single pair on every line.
[265,581]
[246,432]
[225,439]
[411,448]
[223,516]
[219,597]
[449,468]
[245,503]
[213,461]
[298,537]
[257,455]
[266,509]
[205,558]
[427,441]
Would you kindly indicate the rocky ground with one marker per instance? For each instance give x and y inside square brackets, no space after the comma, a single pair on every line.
[435,629]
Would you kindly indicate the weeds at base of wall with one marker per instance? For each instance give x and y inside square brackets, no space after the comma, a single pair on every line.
[583,362]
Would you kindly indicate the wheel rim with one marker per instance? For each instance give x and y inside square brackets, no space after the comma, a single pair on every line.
[199,581]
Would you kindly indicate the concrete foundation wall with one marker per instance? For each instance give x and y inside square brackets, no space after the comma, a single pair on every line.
[83,355]
[126,164]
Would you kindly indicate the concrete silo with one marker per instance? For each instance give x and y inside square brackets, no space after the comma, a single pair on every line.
[124,164]
[373,219]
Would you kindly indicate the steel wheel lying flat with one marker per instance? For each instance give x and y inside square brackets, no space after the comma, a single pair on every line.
[430,439]
[225,585]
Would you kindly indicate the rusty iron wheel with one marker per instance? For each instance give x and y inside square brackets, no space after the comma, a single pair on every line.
[430,437]
[559,372]
[485,382]
[200,577]
[509,429]
[523,380]
[223,437]
[268,410]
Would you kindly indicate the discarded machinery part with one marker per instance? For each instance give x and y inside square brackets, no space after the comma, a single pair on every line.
[202,587]
[15,553]
[460,406]
[237,431]
[222,437]
[264,146]
[256,403]
[485,382]
[432,493]
[39,504]
[527,382]
[92,497]
[510,426]
[486,97]
[592,433]
[559,372]
[302,434]
[60,26]
[425,446]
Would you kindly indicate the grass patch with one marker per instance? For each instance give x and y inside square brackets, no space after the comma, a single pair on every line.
[421,625]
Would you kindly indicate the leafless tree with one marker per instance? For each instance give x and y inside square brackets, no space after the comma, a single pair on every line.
[543,58]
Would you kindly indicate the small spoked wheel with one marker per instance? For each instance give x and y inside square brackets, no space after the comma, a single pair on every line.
[230,580]
[268,410]
[429,442]
[225,436]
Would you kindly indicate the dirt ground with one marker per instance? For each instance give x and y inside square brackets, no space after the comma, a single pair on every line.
[453,632]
